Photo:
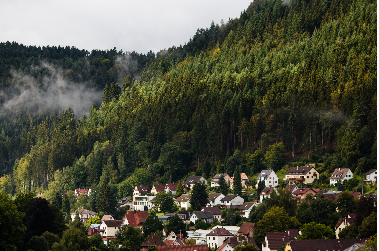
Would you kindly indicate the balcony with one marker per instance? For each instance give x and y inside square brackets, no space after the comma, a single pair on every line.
[295,179]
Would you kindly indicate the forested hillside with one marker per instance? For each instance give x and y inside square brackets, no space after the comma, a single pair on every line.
[297,78]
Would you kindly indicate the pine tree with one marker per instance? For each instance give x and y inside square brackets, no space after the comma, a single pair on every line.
[151,224]
[199,196]
[223,187]
[179,190]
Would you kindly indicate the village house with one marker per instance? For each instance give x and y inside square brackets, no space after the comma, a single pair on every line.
[215,199]
[141,190]
[269,177]
[265,193]
[183,216]
[331,195]
[291,188]
[216,178]
[371,176]
[344,222]
[246,208]
[190,182]
[109,228]
[340,175]
[300,194]
[244,178]
[86,192]
[232,199]
[303,175]
[157,188]
[273,241]
[217,236]
[171,188]
[207,217]
[233,242]
[84,215]
[325,245]
[142,202]
[135,218]
[247,229]
[93,229]
[182,248]
[174,239]
[152,240]
[183,201]
[106,217]
[214,210]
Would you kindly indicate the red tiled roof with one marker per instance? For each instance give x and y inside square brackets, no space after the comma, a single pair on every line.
[159,187]
[172,186]
[266,190]
[324,244]
[183,248]
[276,239]
[142,189]
[238,241]
[105,217]
[184,197]
[291,187]
[246,205]
[246,227]
[301,191]
[220,232]
[136,218]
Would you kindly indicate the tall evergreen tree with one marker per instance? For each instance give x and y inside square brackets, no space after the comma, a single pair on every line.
[151,225]
[199,197]
[237,185]
[223,187]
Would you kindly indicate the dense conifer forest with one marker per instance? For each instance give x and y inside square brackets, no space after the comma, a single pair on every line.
[282,84]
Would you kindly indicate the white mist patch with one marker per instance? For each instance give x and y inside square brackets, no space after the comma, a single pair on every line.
[52,93]
[127,66]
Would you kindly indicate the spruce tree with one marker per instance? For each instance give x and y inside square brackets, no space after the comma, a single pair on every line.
[179,190]
[199,196]
[151,224]
[223,187]
[237,186]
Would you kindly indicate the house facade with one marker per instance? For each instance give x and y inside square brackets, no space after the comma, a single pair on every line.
[265,193]
[214,210]
[244,178]
[183,201]
[207,217]
[304,175]
[171,188]
[340,174]
[216,178]
[142,202]
[157,188]
[109,228]
[190,182]
[217,236]
[246,208]
[84,215]
[231,199]
[269,177]
[371,176]
[344,222]
[141,190]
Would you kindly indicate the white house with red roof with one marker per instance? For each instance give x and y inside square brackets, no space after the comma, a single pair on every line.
[157,188]
[371,176]
[265,193]
[341,174]
[84,191]
[217,236]
[171,188]
[109,228]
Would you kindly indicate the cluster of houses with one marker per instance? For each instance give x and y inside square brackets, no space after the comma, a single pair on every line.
[224,238]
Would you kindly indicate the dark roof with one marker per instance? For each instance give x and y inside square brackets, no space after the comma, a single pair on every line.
[291,187]
[276,239]
[324,244]
[339,173]
[85,211]
[301,191]
[113,223]
[217,177]
[246,227]
[172,186]
[246,205]
[142,189]
[203,215]
[193,179]
[349,219]
[302,170]
[238,241]
[266,190]
[220,232]
[228,197]
[213,210]
[159,187]
[183,248]
[370,172]
[264,174]
[330,196]
[153,240]
[213,196]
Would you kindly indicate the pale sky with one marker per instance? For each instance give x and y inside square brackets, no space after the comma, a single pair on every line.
[138,26]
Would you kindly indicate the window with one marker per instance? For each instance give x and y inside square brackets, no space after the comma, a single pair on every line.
[214,238]
[307,177]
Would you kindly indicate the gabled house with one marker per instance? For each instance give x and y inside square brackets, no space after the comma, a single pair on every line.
[244,178]
[246,208]
[143,202]
[190,182]
[171,188]
[247,229]
[214,210]
[106,217]
[157,188]
[232,199]
[291,188]
[183,201]
[183,248]
[340,175]
[215,199]
[265,193]
[304,175]
[217,236]
[141,190]
[273,241]
[135,218]
[207,217]
[233,242]
[84,215]
[216,178]
[301,193]
[109,228]
[269,177]
[344,222]
[331,195]
[152,240]
[371,176]
[86,192]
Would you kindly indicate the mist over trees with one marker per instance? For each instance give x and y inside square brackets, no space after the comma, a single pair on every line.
[279,82]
